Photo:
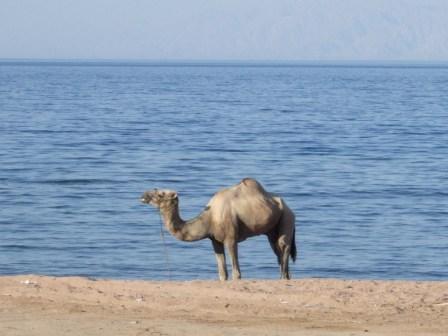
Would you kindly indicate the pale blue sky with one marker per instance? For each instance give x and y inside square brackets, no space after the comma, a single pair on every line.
[225,29]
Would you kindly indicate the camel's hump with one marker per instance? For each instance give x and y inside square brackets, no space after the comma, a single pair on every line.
[252,183]
[247,186]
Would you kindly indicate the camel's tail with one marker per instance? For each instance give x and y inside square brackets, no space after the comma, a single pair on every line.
[293,253]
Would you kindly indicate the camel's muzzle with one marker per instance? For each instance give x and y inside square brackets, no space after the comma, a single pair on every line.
[145,198]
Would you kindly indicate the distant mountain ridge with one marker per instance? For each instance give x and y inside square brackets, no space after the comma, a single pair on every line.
[232,29]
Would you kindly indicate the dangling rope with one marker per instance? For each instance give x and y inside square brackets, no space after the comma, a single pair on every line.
[165,249]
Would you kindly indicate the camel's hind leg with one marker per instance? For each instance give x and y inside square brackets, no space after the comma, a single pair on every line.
[286,231]
[284,264]
[220,259]
[273,237]
[282,251]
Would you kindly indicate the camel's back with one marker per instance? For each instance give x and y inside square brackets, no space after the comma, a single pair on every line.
[249,203]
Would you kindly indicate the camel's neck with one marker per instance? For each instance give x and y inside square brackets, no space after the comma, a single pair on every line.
[191,230]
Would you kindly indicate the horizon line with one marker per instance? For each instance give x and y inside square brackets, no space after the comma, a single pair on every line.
[223,62]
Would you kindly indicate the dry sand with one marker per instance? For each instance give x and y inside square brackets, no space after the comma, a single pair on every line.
[35,305]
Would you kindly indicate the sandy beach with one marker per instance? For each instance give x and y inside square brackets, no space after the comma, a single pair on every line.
[40,305]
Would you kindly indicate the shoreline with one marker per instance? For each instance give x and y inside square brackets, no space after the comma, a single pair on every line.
[44,305]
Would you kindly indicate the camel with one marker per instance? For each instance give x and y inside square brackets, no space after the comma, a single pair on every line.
[231,216]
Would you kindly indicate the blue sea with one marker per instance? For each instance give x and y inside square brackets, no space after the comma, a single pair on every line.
[359,152]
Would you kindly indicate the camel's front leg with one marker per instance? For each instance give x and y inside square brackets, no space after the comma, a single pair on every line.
[232,247]
[220,259]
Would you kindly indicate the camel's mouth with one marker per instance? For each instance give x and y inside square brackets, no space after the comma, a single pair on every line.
[145,198]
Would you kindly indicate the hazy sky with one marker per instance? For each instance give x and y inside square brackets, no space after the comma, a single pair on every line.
[225,29]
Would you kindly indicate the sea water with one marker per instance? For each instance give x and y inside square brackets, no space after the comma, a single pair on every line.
[358,151]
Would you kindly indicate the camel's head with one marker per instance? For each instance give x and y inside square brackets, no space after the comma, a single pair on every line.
[160,198]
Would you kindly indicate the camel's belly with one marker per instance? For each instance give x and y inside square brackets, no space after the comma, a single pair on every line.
[252,228]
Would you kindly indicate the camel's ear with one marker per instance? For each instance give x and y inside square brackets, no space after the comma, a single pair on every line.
[173,195]
[160,194]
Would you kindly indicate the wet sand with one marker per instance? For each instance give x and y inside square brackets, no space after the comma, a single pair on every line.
[39,305]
